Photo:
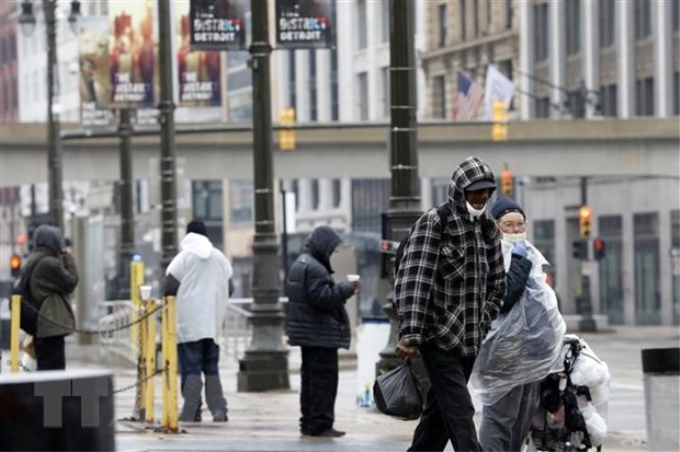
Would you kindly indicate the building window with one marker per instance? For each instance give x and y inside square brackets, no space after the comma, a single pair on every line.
[439,97]
[362,95]
[542,107]
[573,26]
[337,192]
[509,11]
[644,97]
[607,22]
[462,20]
[646,246]
[335,105]
[541,37]
[369,196]
[475,4]
[440,190]
[385,90]
[292,93]
[544,241]
[675,10]
[207,199]
[675,256]
[676,93]
[611,269]
[442,24]
[240,201]
[575,103]
[295,188]
[505,66]
[643,18]
[384,21]
[609,100]
[313,110]
[315,194]
[361,23]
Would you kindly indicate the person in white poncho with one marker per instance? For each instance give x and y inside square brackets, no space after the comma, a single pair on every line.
[524,343]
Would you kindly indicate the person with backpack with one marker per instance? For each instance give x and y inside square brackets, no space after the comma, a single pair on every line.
[317,321]
[50,275]
[525,343]
[200,277]
[448,289]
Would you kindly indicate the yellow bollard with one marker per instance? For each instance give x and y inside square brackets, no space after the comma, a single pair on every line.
[150,360]
[14,332]
[173,415]
[136,280]
[142,371]
[165,416]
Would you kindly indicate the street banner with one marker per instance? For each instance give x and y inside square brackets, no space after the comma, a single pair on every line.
[304,24]
[219,24]
[199,71]
[498,88]
[95,78]
[132,54]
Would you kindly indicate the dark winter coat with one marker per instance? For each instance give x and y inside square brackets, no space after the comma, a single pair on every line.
[450,287]
[518,275]
[53,279]
[316,314]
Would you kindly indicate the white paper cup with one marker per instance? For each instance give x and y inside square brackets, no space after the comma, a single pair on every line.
[353,278]
[145,292]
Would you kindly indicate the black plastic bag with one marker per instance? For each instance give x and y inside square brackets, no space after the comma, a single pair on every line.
[397,393]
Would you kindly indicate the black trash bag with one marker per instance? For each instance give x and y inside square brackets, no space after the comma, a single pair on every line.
[397,393]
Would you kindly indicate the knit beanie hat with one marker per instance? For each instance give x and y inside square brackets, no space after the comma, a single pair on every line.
[197,227]
[504,205]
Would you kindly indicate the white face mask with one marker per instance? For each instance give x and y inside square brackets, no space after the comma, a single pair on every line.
[514,238]
[474,212]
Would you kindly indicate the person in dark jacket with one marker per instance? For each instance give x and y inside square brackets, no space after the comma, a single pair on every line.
[54,278]
[317,321]
[448,289]
[506,422]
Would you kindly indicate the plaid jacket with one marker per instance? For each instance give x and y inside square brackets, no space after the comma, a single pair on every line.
[448,291]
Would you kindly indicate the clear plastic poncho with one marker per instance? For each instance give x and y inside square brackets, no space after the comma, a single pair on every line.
[524,345]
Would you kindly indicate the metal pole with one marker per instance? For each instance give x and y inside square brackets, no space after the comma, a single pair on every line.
[168,153]
[587,323]
[404,207]
[127,220]
[265,364]
[54,168]
[284,235]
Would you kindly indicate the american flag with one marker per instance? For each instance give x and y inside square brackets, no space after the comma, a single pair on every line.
[468,98]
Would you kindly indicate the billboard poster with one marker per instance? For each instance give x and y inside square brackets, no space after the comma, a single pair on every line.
[95,78]
[132,54]
[304,24]
[199,71]
[218,24]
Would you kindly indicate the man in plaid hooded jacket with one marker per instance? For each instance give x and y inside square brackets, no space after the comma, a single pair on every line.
[448,289]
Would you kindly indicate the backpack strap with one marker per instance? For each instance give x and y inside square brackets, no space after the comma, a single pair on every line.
[23,287]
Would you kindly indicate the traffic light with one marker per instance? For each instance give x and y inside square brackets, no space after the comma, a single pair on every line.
[15,265]
[287,134]
[598,249]
[499,130]
[579,251]
[507,182]
[585,217]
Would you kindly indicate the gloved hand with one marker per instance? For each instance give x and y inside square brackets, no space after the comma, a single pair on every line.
[519,249]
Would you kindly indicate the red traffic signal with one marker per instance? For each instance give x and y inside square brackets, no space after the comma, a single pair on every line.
[598,249]
[388,246]
[15,265]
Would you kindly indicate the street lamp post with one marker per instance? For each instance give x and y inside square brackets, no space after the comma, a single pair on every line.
[265,364]
[54,158]
[168,153]
[404,206]
[127,220]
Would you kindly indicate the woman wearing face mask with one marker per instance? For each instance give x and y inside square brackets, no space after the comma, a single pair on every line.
[515,360]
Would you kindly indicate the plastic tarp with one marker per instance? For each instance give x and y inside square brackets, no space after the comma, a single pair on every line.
[525,344]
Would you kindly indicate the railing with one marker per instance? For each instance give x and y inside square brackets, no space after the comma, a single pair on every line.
[113,316]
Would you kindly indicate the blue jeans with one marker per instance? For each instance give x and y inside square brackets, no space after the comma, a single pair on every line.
[197,358]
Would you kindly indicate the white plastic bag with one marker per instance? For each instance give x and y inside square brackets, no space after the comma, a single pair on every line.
[525,344]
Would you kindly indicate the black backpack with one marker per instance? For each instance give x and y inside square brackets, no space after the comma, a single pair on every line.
[30,307]
[442,210]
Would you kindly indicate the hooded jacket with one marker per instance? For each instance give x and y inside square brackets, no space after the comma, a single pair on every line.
[203,273]
[52,281]
[450,286]
[316,314]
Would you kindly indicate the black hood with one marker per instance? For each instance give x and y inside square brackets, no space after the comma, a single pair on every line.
[48,238]
[321,243]
[470,170]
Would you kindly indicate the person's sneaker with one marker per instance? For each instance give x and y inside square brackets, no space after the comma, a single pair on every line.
[330,433]
[198,417]
[221,417]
